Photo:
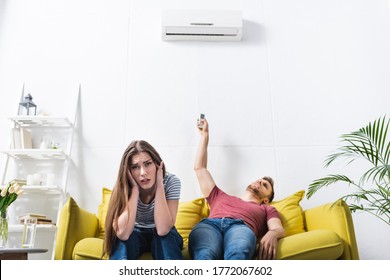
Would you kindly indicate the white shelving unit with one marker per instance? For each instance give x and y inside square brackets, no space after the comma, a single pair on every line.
[40,198]
[36,154]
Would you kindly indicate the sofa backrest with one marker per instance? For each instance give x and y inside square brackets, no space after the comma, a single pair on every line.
[102,211]
[191,212]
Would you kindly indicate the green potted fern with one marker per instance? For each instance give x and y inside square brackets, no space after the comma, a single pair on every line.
[371,193]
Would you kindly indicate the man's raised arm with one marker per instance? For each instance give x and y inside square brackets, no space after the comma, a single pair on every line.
[205,179]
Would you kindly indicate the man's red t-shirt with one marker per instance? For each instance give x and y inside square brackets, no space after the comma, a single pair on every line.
[253,214]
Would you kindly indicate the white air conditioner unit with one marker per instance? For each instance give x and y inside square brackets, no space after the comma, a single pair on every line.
[201,25]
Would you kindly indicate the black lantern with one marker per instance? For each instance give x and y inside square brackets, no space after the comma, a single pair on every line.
[28,104]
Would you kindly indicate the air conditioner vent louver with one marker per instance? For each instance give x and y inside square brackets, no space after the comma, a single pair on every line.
[192,23]
[201,25]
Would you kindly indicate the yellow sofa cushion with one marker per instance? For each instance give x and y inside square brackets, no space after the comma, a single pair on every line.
[73,217]
[291,213]
[311,245]
[188,215]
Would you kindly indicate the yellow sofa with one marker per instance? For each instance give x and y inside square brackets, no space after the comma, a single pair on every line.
[325,232]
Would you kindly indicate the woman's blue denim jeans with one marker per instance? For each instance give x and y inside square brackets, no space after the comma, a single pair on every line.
[222,238]
[142,240]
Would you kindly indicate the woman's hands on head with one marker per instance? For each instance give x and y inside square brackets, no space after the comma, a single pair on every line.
[134,188]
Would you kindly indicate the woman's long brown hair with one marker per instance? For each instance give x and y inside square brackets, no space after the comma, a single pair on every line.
[121,192]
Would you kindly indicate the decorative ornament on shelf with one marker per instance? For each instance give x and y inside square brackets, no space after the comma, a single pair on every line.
[9,194]
[26,104]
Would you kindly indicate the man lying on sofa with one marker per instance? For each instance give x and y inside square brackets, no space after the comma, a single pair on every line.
[235,224]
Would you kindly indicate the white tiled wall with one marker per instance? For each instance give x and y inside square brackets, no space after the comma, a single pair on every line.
[304,73]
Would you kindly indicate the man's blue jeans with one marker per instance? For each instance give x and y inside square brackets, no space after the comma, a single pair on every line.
[224,238]
[142,240]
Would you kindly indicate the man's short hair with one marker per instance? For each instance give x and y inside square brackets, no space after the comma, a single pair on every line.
[271,181]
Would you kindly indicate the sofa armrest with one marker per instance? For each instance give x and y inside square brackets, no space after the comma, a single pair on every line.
[74,224]
[335,217]
[318,244]
[90,248]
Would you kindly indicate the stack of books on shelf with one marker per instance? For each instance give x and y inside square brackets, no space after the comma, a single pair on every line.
[20,182]
[20,138]
[41,218]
